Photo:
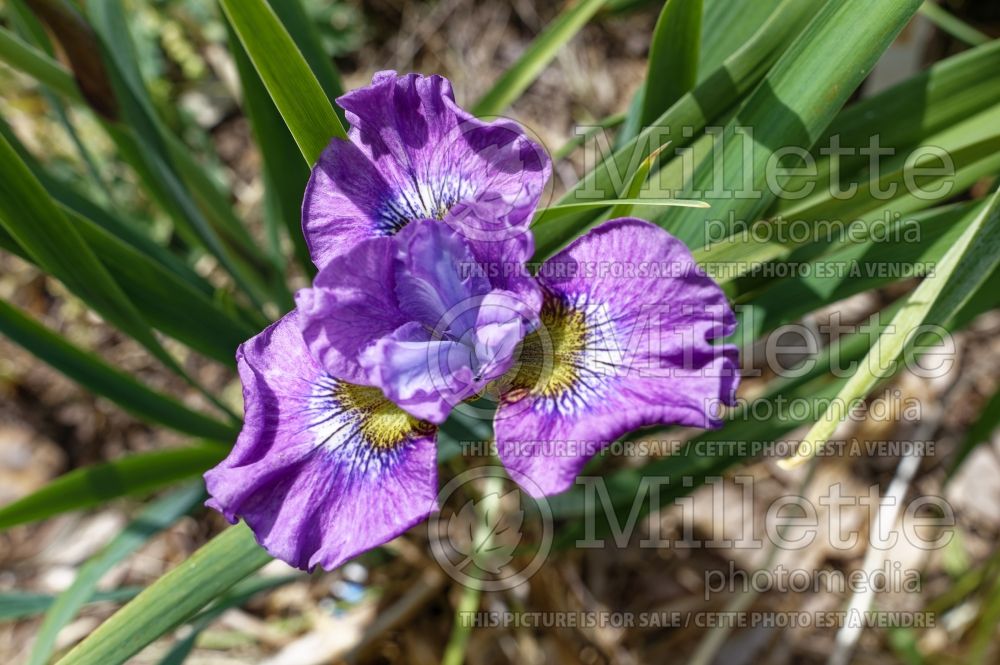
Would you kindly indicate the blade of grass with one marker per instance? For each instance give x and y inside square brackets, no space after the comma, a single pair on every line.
[546,215]
[286,75]
[154,518]
[25,23]
[538,55]
[169,304]
[303,32]
[726,25]
[673,58]
[634,188]
[966,264]
[228,558]
[142,143]
[237,596]
[973,149]
[285,174]
[96,485]
[850,268]
[931,102]
[134,233]
[22,56]
[170,296]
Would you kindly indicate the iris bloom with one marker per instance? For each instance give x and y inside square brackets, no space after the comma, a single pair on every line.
[416,224]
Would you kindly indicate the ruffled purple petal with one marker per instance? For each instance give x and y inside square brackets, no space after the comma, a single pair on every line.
[351,305]
[626,341]
[322,470]
[413,153]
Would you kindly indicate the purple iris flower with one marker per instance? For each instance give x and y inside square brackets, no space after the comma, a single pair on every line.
[419,226]
[323,469]
[413,154]
[415,315]
[626,340]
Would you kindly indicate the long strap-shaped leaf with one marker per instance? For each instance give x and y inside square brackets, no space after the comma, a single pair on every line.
[673,57]
[33,219]
[95,485]
[154,518]
[286,75]
[20,55]
[956,276]
[793,106]
[101,378]
[24,604]
[710,99]
[174,598]
[541,52]
[285,174]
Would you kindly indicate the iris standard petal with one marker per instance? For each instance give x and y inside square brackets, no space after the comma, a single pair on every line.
[626,340]
[323,470]
[413,153]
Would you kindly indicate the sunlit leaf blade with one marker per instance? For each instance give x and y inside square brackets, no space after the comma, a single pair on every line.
[303,32]
[726,25]
[539,54]
[956,276]
[167,303]
[201,214]
[710,99]
[154,518]
[630,195]
[169,295]
[949,92]
[561,210]
[849,268]
[208,573]
[142,145]
[101,378]
[673,57]
[235,597]
[793,106]
[286,75]
[135,234]
[95,485]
